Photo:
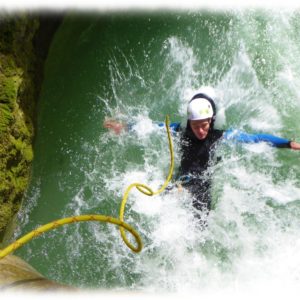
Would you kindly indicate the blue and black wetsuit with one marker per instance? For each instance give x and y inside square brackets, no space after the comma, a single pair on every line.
[198,155]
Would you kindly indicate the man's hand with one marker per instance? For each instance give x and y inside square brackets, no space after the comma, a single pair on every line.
[295,146]
[114,125]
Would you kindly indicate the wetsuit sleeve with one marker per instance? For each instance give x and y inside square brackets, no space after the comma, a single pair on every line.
[242,137]
[175,126]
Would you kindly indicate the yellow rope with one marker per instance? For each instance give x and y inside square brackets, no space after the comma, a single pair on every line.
[145,189]
[101,218]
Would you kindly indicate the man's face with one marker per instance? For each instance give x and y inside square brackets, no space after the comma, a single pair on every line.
[200,128]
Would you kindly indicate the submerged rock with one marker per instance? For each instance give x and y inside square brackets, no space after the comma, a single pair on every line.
[15,273]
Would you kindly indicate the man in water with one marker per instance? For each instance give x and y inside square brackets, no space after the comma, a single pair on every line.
[198,144]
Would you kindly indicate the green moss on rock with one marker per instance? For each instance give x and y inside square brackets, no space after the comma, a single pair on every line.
[24,43]
[18,97]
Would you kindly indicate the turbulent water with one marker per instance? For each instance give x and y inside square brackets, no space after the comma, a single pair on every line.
[137,68]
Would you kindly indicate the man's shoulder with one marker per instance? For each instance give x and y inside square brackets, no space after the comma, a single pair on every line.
[217,133]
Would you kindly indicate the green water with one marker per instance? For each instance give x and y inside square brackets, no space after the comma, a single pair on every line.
[138,67]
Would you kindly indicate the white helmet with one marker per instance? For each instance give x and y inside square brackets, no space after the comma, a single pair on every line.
[200,109]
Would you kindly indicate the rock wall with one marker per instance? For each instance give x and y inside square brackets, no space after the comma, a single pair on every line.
[24,44]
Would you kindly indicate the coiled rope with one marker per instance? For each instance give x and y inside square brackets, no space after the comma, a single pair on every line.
[102,218]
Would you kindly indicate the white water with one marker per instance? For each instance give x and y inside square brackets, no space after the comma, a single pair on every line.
[247,243]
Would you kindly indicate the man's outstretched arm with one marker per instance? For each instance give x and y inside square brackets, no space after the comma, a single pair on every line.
[239,136]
